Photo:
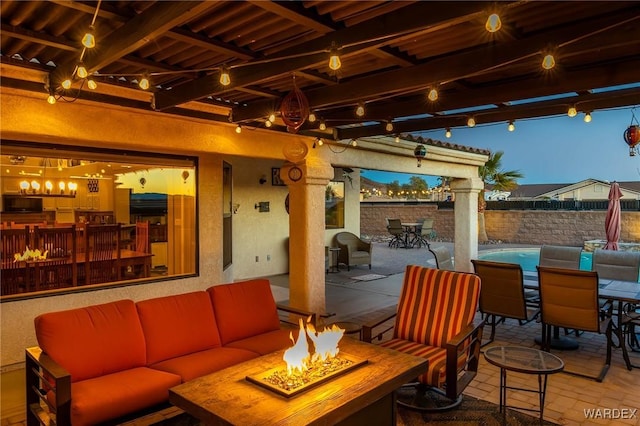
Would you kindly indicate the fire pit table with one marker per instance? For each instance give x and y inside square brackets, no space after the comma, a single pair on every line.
[364,395]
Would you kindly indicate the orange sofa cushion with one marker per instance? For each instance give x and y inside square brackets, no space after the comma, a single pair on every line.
[244,309]
[114,395]
[93,341]
[178,325]
[198,364]
[266,343]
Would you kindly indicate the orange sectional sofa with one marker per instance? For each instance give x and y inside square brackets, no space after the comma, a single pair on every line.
[99,363]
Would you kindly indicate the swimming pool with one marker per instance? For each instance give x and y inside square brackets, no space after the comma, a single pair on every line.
[527,257]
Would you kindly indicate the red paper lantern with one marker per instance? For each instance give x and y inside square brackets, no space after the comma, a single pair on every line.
[632,138]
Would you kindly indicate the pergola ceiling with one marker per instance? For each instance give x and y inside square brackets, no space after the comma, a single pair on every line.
[392,53]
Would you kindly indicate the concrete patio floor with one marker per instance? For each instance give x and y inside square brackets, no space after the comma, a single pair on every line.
[568,396]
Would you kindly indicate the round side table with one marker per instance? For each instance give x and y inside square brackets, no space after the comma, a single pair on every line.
[334,267]
[527,361]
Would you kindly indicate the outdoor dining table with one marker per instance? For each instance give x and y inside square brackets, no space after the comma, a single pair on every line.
[618,291]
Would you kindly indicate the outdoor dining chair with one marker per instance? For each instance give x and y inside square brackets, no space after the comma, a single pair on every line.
[443,258]
[560,257]
[424,233]
[398,237]
[569,299]
[502,294]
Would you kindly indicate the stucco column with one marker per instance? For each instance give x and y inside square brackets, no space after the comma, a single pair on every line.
[466,221]
[306,232]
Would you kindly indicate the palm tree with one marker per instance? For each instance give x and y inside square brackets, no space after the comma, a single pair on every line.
[492,173]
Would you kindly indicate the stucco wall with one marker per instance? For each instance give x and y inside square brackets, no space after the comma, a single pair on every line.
[571,228]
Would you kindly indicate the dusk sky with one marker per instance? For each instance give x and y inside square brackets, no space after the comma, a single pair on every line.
[550,150]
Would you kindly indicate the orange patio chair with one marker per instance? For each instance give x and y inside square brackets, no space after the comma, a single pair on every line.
[435,320]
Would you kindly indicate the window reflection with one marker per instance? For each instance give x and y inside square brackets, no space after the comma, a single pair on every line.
[138,210]
[334,205]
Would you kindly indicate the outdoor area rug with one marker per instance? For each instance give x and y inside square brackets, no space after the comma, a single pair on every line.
[368,277]
[472,412]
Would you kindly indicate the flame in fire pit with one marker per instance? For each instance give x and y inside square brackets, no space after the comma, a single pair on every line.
[298,357]
[325,342]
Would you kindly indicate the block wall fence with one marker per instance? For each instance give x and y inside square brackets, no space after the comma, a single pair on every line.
[569,228]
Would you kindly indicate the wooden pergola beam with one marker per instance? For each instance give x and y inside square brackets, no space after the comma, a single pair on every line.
[368,35]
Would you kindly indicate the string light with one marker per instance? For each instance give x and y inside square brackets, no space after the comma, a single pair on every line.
[433,94]
[81,71]
[354,142]
[548,62]
[320,142]
[238,129]
[92,84]
[587,117]
[493,23]
[572,112]
[389,126]
[511,127]
[225,79]
[312,117]
[144,82]
[360,110]
[322,125]
[51,99]
[471,122]
[447,133]
[334,60]
[66,84]
[268,123]
[89,40]
[272,117]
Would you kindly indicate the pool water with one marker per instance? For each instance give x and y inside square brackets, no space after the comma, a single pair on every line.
[527,258]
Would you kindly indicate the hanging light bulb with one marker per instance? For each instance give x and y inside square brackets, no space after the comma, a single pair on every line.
[493,23]
[471,122]
[144,82]
[360,110]
[89,40]
[238,129]
[322,125]
[61,186]
[587,117]
[48,186]
[268,123]
[225,79]
[66,84]
[51,99]
[548,61]
[92,84]
[447,133]
[433,94]
[272,117]
[81,71]
[389,126]
[511,127]
[312,117]
[320,142]
[572,112]
[397,139]
[354,142]
[334,60]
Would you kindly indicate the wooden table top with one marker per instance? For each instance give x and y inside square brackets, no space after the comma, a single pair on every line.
[226,397]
